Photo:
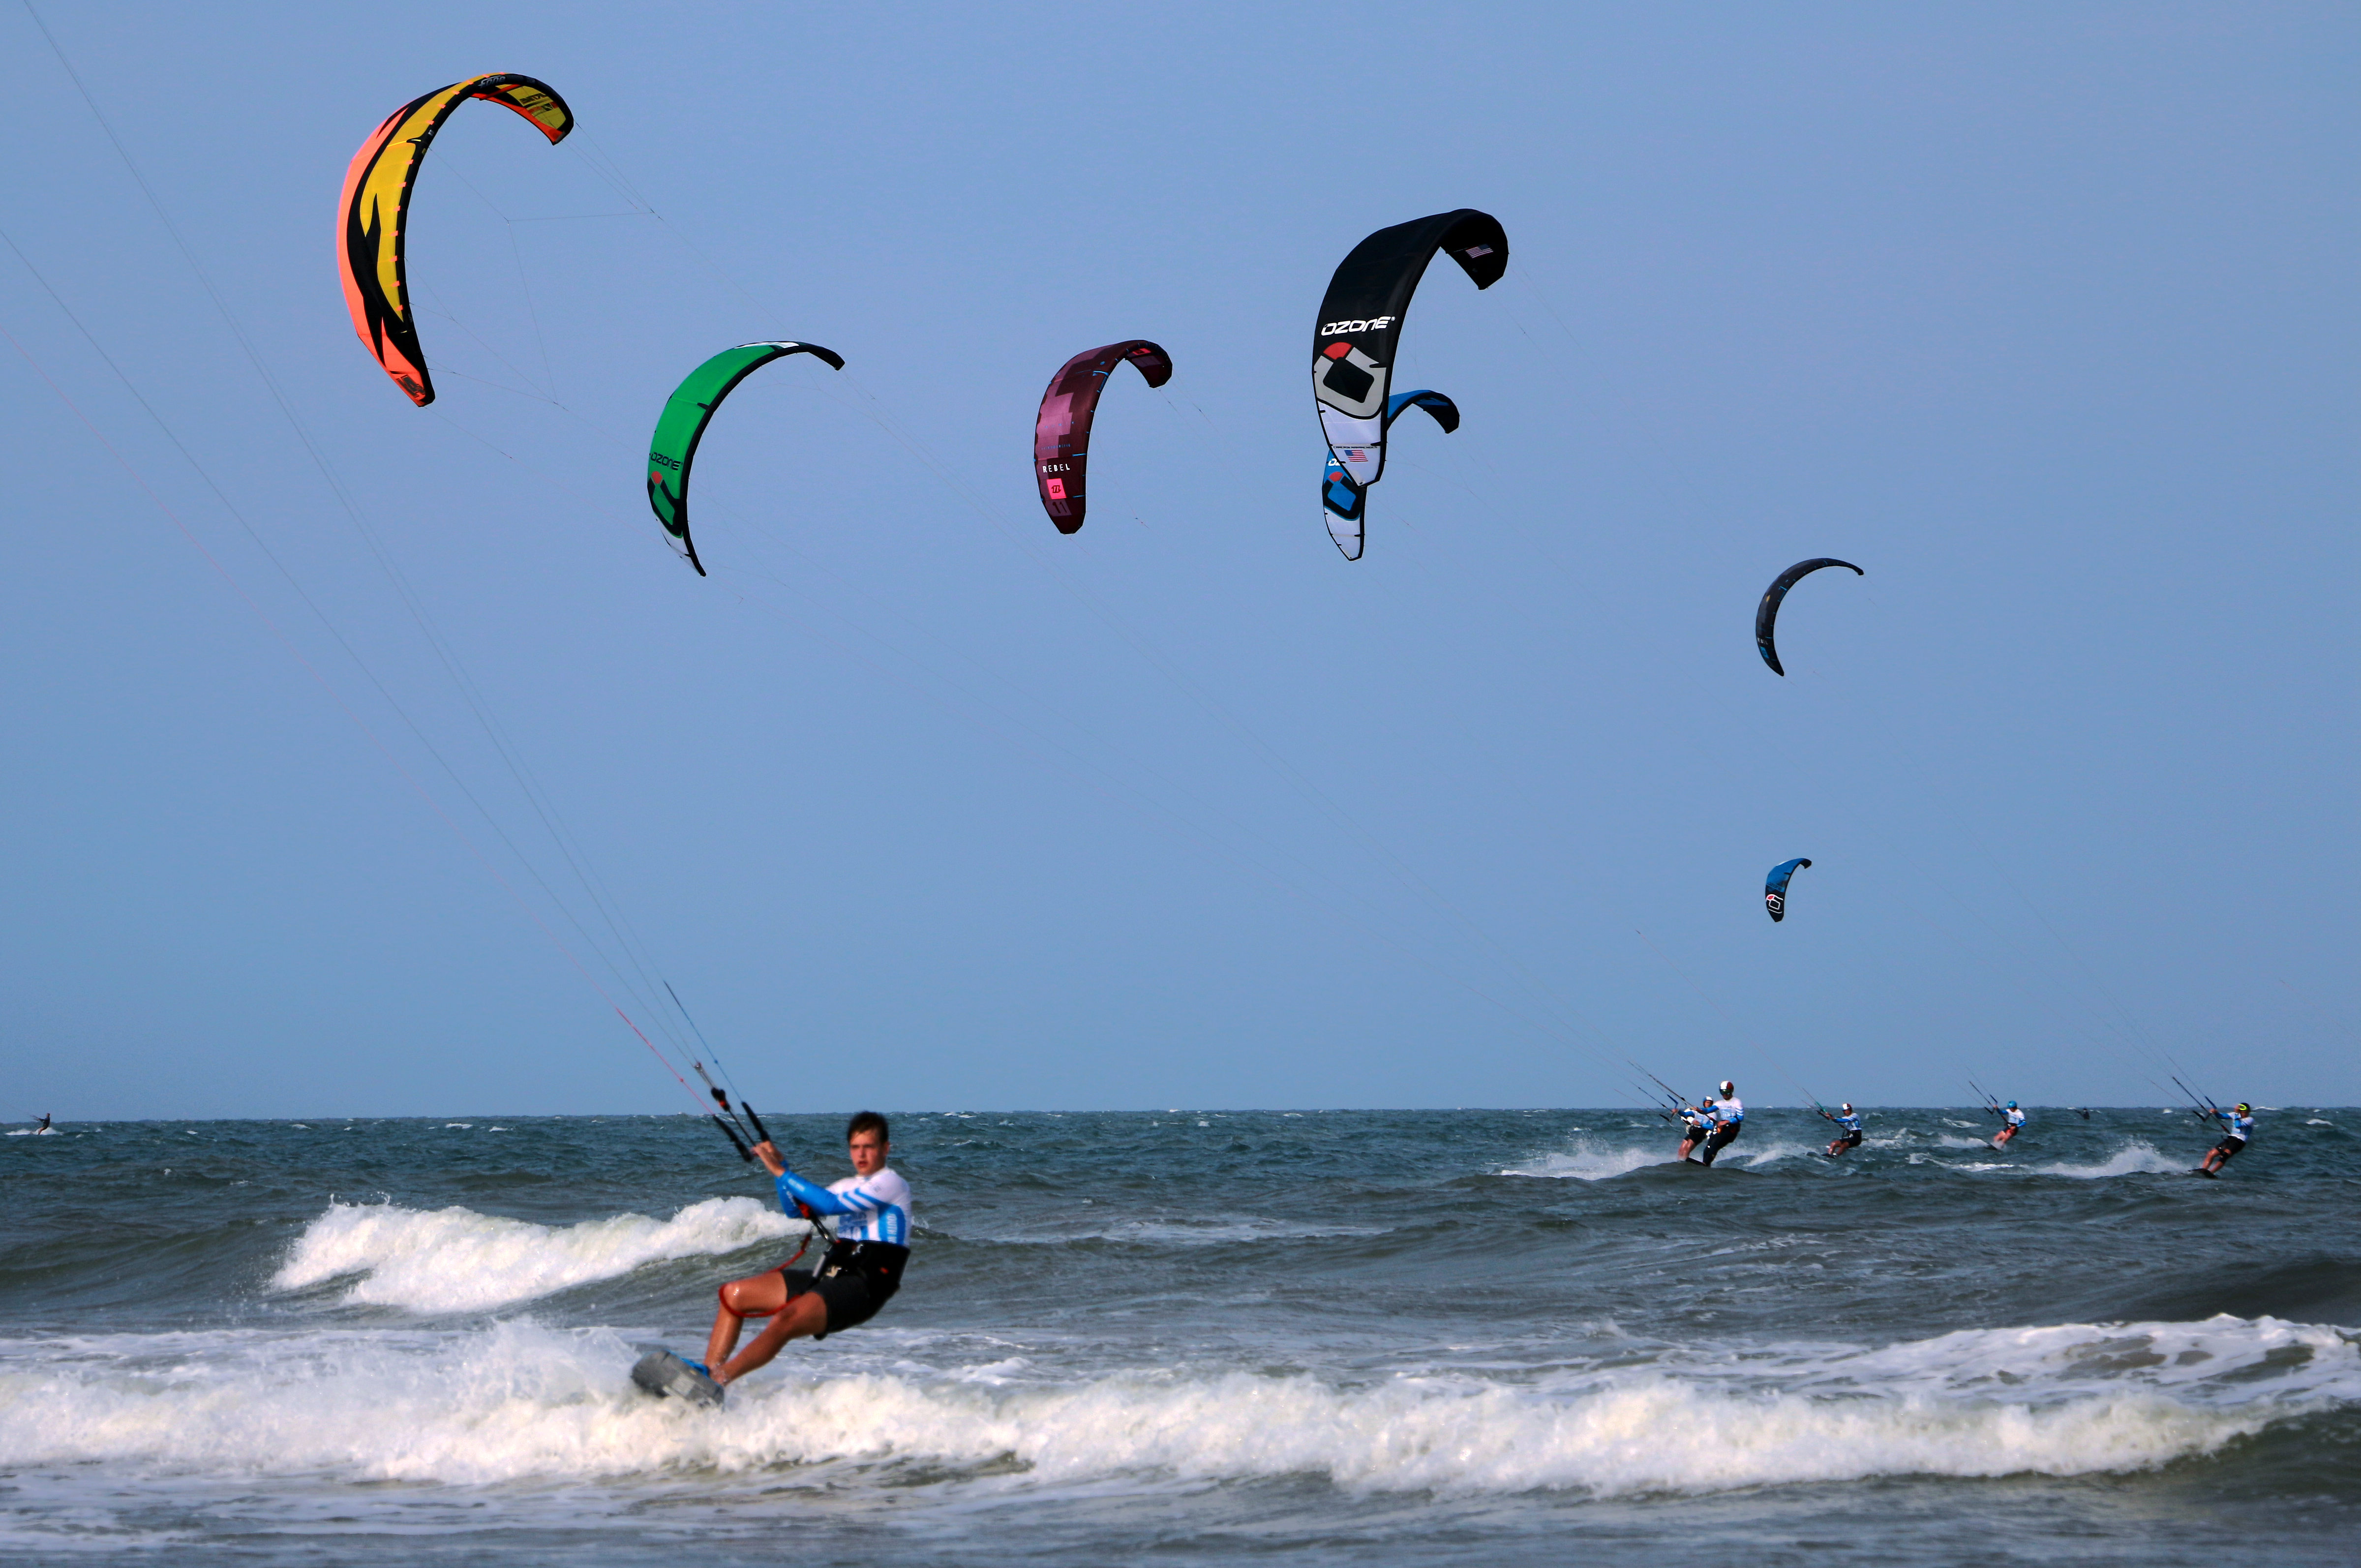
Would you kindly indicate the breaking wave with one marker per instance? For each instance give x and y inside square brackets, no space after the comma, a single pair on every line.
[455,1260]
[516,1401]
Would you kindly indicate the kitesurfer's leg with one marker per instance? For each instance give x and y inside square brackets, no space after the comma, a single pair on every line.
[758,1297]
[801,1317]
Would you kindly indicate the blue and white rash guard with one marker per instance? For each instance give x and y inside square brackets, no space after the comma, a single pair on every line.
[2240,1128]
[2016,1118]
[874,1208]
[1850,1122]
[1730,1112]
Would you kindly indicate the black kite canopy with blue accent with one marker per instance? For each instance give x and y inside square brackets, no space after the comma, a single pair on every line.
[1766,614]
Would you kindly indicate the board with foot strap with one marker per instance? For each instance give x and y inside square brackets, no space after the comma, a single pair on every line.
[660,1372]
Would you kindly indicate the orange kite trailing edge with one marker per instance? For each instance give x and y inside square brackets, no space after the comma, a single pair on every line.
[377,211]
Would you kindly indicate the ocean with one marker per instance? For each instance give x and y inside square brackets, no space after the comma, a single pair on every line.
[1332,1337]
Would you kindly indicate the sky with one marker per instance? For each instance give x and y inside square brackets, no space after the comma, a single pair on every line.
[368,760]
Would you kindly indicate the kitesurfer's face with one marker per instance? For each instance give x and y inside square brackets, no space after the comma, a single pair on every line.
[868,1152]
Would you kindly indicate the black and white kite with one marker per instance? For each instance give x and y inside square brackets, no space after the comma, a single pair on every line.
[1361,320]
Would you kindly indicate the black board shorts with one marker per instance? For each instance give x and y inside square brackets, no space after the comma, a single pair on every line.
[853,1281]
[1850,1140]
[2229,1146]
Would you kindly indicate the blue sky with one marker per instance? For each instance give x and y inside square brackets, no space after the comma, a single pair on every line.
[2046,319]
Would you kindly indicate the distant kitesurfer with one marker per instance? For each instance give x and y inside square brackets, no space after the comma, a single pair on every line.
[1699,1118]
[1848,1121]
[859,1275]
[2015,1119]
[1728,1116]
[2238,1125]
[45,1124]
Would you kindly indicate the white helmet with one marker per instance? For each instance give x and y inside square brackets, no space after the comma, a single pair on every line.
[1727,1087]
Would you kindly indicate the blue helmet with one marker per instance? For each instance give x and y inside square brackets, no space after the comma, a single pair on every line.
[2012,1104]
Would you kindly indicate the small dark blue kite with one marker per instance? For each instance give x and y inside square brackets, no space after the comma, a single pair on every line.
[1775,888]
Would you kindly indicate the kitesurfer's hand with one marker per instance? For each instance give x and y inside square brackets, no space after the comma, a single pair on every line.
[772,1161]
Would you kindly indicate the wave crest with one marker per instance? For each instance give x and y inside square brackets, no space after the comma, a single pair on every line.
[517,1402]
[455,1260]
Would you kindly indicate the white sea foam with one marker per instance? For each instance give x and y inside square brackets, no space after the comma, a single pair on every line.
[1188,1232]
[1589,1162]
[455,1260]
[2131,1158]
[2134,1159]
[519,1402]
[1763,1154]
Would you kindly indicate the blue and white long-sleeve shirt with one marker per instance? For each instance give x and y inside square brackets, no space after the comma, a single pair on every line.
[1729,1112]
[1849,1122]
[874,1208]
[2014,1118]
[2239,1127]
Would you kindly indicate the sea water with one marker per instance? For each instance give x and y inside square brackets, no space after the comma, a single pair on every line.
[1431,1337]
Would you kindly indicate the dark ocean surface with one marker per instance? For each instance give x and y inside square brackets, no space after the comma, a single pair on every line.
[1341,1337]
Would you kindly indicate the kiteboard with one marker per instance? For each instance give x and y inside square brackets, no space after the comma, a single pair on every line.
[2208,1175]
[660,1372]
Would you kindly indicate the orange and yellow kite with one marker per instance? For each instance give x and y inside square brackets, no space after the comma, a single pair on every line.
[377,211]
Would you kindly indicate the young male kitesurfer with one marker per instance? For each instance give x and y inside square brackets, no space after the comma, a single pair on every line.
[1699,1118]
[2238,1124]
[1848,1121]
[2014,1120]
[1728,1116]
[859,1273]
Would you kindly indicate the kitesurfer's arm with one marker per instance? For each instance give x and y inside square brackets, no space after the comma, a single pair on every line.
[790,1200]
[794,1192]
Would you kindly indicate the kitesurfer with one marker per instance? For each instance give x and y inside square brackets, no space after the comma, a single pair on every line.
[1728,1116]
[1699,1118]
[2014,1120]
[859,1275]
[1848,1121]
[45,1124]
[2238,1125]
